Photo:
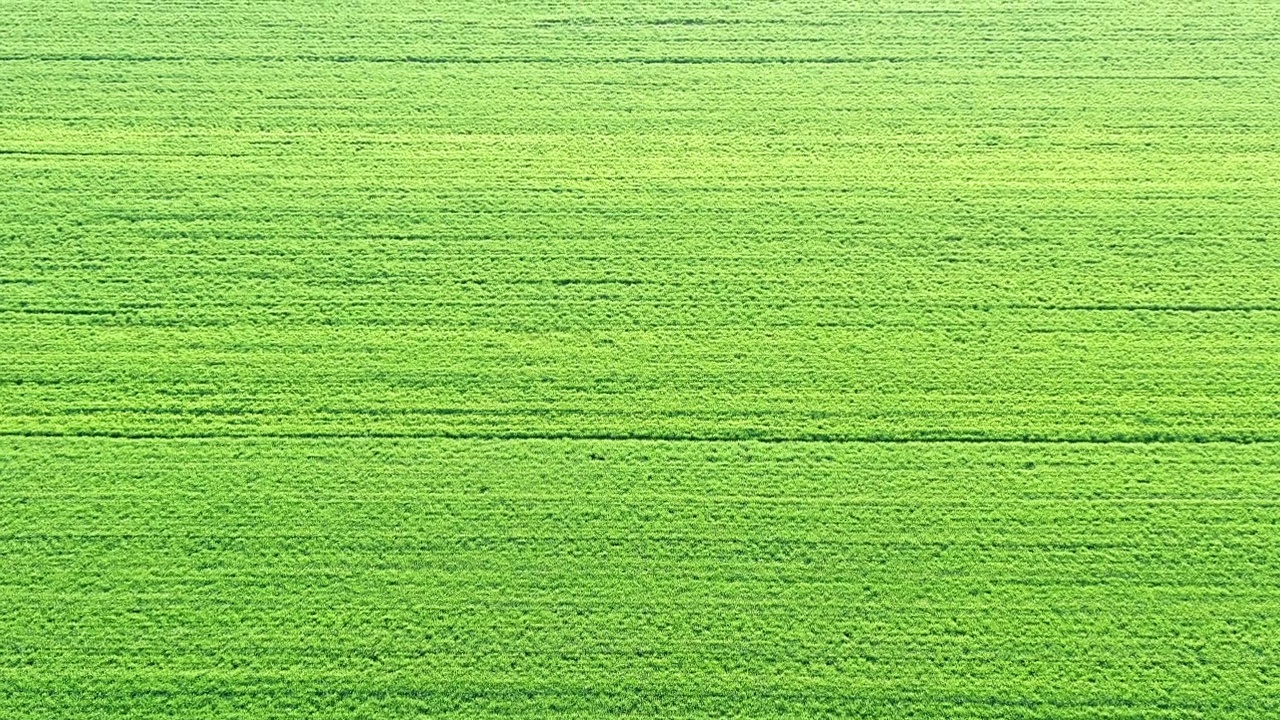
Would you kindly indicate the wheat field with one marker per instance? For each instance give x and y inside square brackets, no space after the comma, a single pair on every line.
[682,359]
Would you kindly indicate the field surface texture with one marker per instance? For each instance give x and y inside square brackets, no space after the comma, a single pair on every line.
[682,359]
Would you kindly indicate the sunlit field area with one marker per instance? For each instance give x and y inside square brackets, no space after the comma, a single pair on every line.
[676,359]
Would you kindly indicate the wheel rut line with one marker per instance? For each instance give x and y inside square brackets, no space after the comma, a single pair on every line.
[1154,439]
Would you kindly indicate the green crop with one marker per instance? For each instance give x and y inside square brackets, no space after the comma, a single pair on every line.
[670,359]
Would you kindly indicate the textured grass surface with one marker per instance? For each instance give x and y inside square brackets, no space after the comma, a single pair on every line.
[778,360]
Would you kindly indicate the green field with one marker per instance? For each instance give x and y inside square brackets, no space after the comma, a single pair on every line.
[781,359]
